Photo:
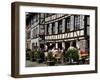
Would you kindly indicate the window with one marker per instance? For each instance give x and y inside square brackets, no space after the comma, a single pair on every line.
[36,18]
[67,24]
[53,28]
[48,15]
[77,22]
[60,26]
[33,33]
[88,20]
[36,31]
[47,29]
[28,35]
[87,45]
[32,22]
[87,24]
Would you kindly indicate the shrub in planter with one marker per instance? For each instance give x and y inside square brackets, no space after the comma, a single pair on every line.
[37,56]
[31,55]
[50,59]
[72,55]
[28,54]
[42,56]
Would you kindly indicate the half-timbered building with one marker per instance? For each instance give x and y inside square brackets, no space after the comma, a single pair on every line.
[57,30]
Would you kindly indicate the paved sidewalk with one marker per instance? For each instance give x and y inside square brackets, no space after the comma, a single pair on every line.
[34,64]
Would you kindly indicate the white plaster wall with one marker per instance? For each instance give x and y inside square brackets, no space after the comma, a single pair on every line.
[34,41]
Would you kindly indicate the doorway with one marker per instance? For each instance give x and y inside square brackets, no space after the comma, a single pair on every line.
[60,45]
[67,45]
[74,44]
[42,46]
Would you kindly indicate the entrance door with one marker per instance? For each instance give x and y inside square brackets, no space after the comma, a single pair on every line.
[53,45]
[74,44]
[67,45]
[60,45]
[42,46]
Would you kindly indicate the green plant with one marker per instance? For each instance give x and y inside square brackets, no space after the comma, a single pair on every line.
[36,53]
[28,53]
[72,54]
[50,56]
[50,59]
[37,56]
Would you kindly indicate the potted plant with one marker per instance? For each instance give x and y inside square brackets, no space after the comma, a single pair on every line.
[31,54]
[38,56]
[50,59]
[28,54]
[72,56]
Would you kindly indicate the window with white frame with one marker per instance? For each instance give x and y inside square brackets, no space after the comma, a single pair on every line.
[67,24]
[77,22]
[60,26]
[47,29]
[53,28]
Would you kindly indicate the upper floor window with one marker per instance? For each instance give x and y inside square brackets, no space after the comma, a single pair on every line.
[35,33]
[88,20]
[87,24]
[48,14]
[60,26]
[28,35]
[47,29]
[53,28]
[67,24]
[32,21]
[77,22]
[36,18]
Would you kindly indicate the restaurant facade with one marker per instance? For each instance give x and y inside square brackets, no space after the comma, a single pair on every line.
[57,30]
